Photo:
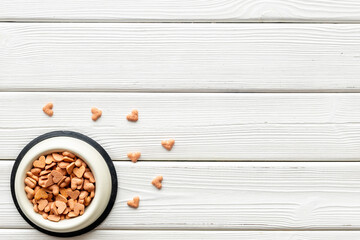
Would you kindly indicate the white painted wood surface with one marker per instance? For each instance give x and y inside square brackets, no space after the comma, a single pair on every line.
[179,57]
[21,234]
[232,93]
[206,126]
[186,10]
[233,196]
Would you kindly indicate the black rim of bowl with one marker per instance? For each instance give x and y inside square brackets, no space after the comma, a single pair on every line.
[103,154]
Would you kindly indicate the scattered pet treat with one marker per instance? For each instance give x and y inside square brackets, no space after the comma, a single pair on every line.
[96,113]
[134,156]
[157,182]
[60,186]
[134,203]
[168,144]
[133,116]
[48,109]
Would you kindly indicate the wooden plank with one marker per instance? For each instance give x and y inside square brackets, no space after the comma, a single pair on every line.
[206,126]
[21,234]
[186,10]
[179,57]
[233,196]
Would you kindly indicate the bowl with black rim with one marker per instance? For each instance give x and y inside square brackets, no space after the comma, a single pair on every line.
[97,160]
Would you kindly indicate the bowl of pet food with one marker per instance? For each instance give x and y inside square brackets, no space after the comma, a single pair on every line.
[63,183]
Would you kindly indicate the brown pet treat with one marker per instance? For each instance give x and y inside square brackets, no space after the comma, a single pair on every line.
[50,166]
[35,171]
[49,159]
[73,194]
[63,191]
[76,183]
[69,160]
[36,208]
[134,203]
[55,189]
[72,214]
[96,113]
[45,181]
[88,186]
[157,182]
[39,163]
[92,194]
[133,116]
[31,175]
[87,201]
[168,144]
[42,204]
[61,198]
[41,194]
[65,183]
[79,172]
[134,156]
[83,194]
[63,165]
[30,182]
[71,204]
[69,168]
[61,206]
[68,154]
[57,157]
[54,218]
[45,172]
[45,215]
[90,176]
[79,209]
[48,109]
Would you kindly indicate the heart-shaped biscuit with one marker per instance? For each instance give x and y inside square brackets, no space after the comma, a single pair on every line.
[61,198]
[68,154]
[41,194]
[134,203]
[54,218]
[73,194]
[70,167]
[134,156]
[168,144]
[47,167]
[61,206]
[42,204]
[48,109]
[79,172]
[56,176]
[96,113]
[71,203]
[57,157]
[157,182]
[46,181]
[89,176]
[79,209]
[39,163]
[49,159]
[133,116]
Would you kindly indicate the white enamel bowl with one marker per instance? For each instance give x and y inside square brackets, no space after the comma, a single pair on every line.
[97,160]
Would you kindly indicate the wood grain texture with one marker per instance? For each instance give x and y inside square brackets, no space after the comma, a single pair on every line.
[233,196]
[206,126]
[179,57]
[20,234]
[186,10]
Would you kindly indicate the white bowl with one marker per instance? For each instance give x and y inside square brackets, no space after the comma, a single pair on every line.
[98,161]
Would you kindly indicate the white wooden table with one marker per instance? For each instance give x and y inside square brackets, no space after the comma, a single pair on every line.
[262,98]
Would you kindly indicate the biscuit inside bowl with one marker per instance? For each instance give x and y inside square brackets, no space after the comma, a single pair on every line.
[97,160]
